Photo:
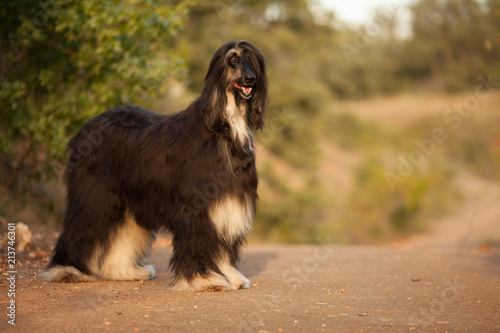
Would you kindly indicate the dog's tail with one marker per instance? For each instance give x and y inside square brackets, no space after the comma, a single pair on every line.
[66,274]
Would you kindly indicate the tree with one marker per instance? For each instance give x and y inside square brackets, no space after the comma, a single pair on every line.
[454,41]
[65,61]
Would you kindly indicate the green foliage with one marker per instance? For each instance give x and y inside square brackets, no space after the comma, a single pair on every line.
[477,146]
[453,42]
[66,61]
[378,213]
[288,214]
[374,211]
[349,132]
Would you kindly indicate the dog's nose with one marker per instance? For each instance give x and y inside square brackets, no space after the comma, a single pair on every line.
[249,78]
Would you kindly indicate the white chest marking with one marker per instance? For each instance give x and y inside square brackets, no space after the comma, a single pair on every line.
[236,119]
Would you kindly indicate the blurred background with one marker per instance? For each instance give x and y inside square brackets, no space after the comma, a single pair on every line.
[383,121]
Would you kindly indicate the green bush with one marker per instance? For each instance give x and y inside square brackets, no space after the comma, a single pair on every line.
[66,61]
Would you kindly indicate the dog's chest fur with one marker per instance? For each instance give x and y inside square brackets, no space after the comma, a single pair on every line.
[235,115]
[232,215]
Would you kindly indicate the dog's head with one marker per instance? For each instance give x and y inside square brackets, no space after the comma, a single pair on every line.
[240,74]
[237,68]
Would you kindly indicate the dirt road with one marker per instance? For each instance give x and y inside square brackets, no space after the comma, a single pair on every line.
[294,289]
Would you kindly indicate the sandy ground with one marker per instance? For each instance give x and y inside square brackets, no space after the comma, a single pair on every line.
[314,288]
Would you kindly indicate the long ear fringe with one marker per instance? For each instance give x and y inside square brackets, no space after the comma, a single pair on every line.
[214,92]
[215,101]
[256,114]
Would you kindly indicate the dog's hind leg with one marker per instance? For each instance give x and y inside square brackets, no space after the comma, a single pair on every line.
[129,244]
[73,256]
[93,214]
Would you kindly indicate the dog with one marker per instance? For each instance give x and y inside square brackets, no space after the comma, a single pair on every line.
[132,173]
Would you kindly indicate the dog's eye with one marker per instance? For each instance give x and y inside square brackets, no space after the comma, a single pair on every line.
[233,60]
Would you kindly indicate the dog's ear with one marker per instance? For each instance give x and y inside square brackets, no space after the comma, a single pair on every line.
[216,102]
[258,102]
[214,92]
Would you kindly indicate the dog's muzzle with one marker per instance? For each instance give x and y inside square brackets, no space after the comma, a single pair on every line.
[244,90]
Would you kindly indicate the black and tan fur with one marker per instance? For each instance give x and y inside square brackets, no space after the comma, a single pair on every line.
[132,173]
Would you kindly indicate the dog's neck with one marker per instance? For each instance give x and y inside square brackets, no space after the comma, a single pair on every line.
[236,118]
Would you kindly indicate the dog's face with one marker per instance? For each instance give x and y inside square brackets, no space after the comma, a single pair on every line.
[237,68]
[240,75]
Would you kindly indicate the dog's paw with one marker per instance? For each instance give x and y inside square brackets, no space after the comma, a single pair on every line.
[243,283]
[127,273]
[237,279]
[151,270]
[215,282]
[65,274]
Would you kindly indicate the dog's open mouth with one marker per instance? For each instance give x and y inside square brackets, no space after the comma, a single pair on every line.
[245,91]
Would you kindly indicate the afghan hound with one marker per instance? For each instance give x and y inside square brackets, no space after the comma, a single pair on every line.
[132,173]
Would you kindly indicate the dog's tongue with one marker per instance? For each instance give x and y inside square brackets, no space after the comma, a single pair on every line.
[246,90]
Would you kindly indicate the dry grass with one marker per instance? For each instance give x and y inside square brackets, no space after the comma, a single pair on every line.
[407,109]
